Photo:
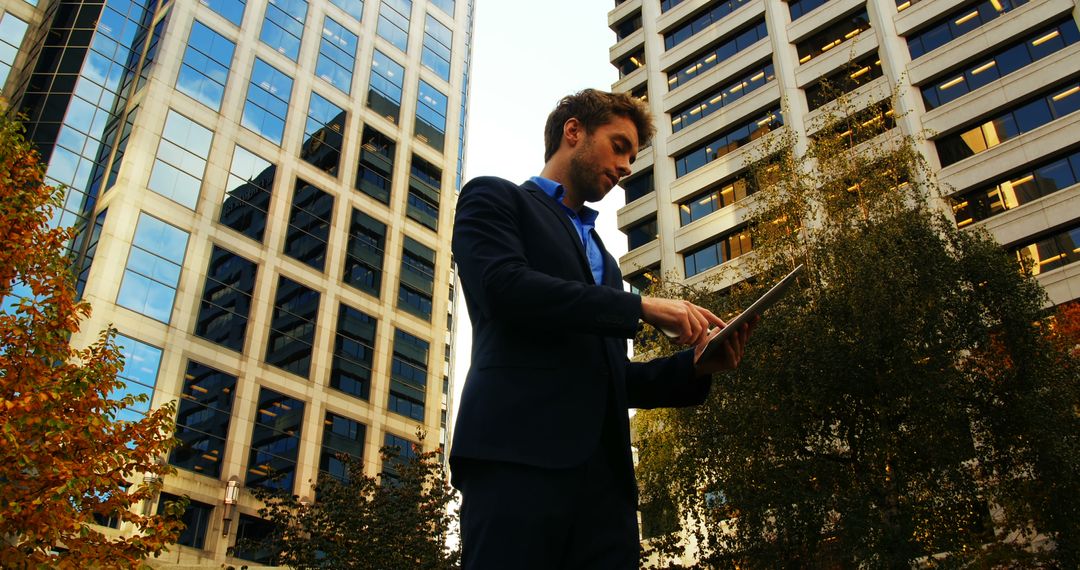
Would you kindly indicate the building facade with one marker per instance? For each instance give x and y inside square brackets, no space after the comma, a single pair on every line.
[993,85]
[264,192]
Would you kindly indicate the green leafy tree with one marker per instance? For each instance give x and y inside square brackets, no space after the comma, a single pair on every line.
[66,462]
[905,404]
[399,519]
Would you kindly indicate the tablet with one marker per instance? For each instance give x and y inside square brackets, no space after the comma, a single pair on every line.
[763,302]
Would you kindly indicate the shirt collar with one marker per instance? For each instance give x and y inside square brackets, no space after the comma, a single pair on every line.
[556,191]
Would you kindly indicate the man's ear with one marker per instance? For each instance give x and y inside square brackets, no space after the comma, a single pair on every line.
[573,131]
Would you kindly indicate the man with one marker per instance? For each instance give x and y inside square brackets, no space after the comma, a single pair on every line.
[541,450]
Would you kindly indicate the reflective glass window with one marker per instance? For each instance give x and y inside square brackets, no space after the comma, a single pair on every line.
[417,278]
[838,32]
[247,196]
[402,451]
[727,193]
[292,327]
[202,419]
[714,13]
[364,253]
[408,375]
[231,10]
[799,8]
[204,69]
[139,375]
[430,116]
[337,55]
[341,437]
[250,531]
[354,352]
[393,23]
[723,249]
[283,26]
[226,299]
[373,175]
[267,101]
[846,79]
[323,134]
[275,441]
[717,54]
[384,91]
[1049,252]
[153,268]
[717,99]
[957,23]
[445,5]
[437,41]
[1017,189]
[726,142]
[354,8]
[642,233]
[639,186]
[309,225]
[90,252]
[181,160]
[12,31]
[196,519]
[425,181]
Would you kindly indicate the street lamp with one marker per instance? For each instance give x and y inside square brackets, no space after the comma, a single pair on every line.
[232,493]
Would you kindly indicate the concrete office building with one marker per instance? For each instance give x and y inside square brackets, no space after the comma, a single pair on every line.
[264,191]
[996,83]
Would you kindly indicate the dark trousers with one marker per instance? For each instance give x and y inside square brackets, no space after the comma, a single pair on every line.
[522,517]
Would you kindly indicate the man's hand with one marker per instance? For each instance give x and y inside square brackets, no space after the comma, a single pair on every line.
[682,321]
[729,355]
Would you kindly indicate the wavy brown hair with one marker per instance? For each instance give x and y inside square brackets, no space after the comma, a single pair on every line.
[595,108]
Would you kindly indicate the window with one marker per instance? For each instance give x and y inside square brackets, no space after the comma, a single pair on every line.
[437,41]
[445,5]
[630,63]
[196,519]
[121,147]
[292,327]
[226,300]
[373,176]
[153,268]
[731,45]
[726,95]
[205,67]
[309,225]
[337,55]
[267,101]
[1009,124]
[725,194]
[341,436]
[957,23]
[139,375]
[249,532]
[284,26]
[1001,63]
[417,278]
[354,352]
[430,116]
[408,376]
[727,142]
[275,440]
[628,26]
[202,419]
[699,22]
[1051,252]
[838,32]
[846,79]
[247,196]
[666,5]
[639,282]
[425,181]
[364,256]
[404,452]
[1017,189]
[863,125]
[354,8]
[393,23]
[642,233]
[384,91]
[12,31]
[638,186]
[231,10]
[181,160]
[323,134]
[799,8]
[723,249]
[90,252]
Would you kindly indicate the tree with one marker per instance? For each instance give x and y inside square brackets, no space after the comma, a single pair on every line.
[905,404]
[361,522]
[66,463]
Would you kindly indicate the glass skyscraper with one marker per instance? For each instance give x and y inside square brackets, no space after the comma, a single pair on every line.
[263,191]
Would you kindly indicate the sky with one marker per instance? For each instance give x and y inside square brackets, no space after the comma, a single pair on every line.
[526,56]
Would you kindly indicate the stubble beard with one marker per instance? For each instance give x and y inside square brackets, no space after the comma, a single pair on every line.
[585,177]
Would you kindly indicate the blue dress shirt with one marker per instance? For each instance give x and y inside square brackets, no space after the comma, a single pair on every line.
[585,223]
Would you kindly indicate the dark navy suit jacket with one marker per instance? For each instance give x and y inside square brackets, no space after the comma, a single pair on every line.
[549,345]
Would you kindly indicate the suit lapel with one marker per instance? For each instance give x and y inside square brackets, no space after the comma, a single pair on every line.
[556,210]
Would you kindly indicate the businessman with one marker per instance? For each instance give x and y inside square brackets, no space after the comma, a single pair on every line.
[541,449]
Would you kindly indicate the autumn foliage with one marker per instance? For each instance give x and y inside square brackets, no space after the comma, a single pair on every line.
[66,462]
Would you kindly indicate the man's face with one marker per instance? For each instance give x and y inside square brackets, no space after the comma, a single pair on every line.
[602,158]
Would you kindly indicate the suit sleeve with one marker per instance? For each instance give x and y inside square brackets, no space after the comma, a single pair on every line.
[502,284]
[668,382]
